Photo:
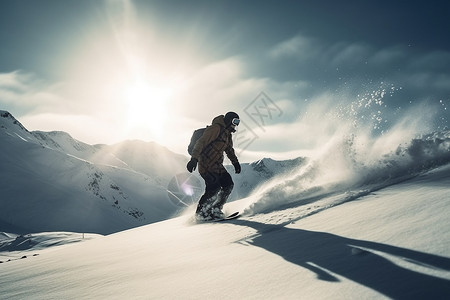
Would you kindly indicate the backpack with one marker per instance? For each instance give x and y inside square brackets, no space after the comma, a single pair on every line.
[197,134]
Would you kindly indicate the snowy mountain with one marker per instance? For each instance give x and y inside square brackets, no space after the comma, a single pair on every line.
[52,182]
[362,219]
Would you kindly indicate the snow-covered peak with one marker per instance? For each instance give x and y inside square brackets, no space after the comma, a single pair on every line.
[7,121]
[6,114]
[51,182]
[270,166]
[64,142]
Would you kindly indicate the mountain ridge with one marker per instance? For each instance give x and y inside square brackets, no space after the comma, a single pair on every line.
[109,188]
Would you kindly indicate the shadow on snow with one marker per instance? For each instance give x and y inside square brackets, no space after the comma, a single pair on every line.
[326,254]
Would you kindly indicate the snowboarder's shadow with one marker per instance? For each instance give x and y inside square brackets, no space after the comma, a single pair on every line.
[327,254]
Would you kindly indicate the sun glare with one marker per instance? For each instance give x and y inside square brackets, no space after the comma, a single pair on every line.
[147,107]
[146,80]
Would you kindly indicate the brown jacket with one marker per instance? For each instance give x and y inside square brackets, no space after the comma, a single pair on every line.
[210,147]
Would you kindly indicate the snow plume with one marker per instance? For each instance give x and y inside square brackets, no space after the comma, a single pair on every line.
[361,154]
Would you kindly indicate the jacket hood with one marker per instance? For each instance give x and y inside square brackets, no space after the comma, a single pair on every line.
[219,120]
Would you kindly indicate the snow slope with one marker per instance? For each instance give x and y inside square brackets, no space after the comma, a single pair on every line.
[45,189]
[49,182]
[363,219]
[393,243]
[14,247]
[52,182]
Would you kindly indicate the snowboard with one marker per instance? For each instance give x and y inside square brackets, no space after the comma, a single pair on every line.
[229,217]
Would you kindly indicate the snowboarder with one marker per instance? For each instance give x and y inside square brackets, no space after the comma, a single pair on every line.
[208,153]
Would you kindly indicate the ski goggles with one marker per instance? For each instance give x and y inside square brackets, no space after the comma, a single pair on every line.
[235,122]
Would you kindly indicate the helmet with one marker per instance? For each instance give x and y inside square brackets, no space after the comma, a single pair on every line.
[231,118]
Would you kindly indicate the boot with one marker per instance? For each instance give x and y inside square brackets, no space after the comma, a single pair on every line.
[222,197]
[217,214]
[205,207]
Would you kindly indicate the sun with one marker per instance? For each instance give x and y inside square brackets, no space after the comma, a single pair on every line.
[146,107]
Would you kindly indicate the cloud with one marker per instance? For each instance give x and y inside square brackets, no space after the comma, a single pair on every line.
[314,125]
[217,88]
[319,55]
[387,56]
[305,50]
[355,66]
[328,118]
[299,47]
[14,84]
[344,54]
[86,128]
[16,80]
[25,92]
[435,60]
[311,81]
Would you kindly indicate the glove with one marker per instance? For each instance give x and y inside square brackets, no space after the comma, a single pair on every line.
[237,167]
[192,165]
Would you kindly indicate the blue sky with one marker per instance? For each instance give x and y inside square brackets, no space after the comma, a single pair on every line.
[296,71]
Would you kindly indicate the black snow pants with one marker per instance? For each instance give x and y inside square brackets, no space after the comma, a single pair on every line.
[218,188]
